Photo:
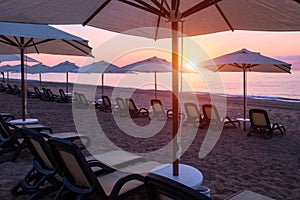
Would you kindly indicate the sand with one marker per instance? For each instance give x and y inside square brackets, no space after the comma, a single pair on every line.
[236,162]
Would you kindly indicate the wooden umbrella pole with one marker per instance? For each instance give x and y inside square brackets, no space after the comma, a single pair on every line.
[245,94]
[23,78]
[155,85]
[174,23]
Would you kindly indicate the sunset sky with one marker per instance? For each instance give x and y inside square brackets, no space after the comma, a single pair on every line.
[284,46]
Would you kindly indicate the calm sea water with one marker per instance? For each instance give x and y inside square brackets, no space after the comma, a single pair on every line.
[283,87]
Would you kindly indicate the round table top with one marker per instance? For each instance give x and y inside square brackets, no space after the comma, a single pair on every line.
[188,175]
[26,121]
[242,119]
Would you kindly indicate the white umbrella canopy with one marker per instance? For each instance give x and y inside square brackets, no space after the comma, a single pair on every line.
[246,61]
[64,67]
[33,38]
[199,17]
[102,67]
[150,65]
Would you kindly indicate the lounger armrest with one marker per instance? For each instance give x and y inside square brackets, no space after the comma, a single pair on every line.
[96,163]
[122,181]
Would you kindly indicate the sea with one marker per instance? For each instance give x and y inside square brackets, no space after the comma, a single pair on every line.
[275,86]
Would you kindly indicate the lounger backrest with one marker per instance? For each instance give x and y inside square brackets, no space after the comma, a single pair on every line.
[82,98]
[49,93]
[39,148]
[62,93]
[4,130]
[106,101]
[73,164]
[121,104]
[210,112]
[192,110]
[259,118]
[157,106]
[161,188]
[131,105]
[76,96]
[37,91]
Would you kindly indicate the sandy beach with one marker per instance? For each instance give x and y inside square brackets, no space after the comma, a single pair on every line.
[236,162]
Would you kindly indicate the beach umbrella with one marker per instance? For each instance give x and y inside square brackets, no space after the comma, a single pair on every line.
[198,17]
[12,57]
[38,69]
[102,67]
[34,69]
[246,61]
[64,67]
[150,65]
[34,38]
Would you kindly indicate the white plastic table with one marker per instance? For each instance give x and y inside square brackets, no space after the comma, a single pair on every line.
[188,175]
[23,122]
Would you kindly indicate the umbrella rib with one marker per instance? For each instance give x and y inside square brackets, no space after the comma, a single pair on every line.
[78,48]
[96,12]
[31,39]
[40,42]
[224,17]
[200,6]
[161,7]
[34,45]
[148,9]
[8,41]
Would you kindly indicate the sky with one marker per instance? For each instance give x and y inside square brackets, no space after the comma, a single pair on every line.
[280,45]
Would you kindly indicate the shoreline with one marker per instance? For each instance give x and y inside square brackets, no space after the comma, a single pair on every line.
[270,98]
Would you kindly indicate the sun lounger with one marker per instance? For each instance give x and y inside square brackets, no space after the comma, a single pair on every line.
[42,179]
[122,109]
[211,116]
[9,89]
[80,180]
[106,104]
[261,124]
[159,112]
[134,111]
[63,98]
[82,102]
[9,142]
[193,115]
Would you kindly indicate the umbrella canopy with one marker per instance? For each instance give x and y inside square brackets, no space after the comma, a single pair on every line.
[38,69]
[199,17]
[64,67]
[12,57]
[7,68]
[33,38]
[15,57]
[101,67]
[150,65]
[246,61]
